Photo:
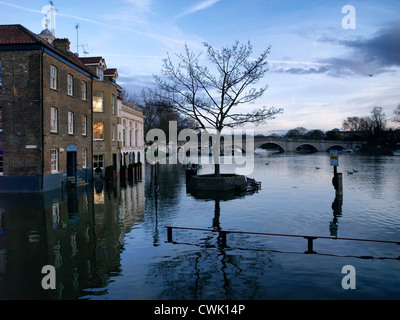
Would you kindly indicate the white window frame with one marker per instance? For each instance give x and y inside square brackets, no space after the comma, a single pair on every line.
[98,139]
[113,103]
[70,85]
[70,122]
[98,94]
[98,160]
[119,108]
[84,125]
[54,160]
[113,131]
[53,119]
[84,90]
[84,158]
[100,74]
[53,77]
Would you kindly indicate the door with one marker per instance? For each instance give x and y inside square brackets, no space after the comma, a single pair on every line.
[71,163]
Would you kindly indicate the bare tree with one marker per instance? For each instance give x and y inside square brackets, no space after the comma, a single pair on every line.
[212,97]
[352,124]
[396,114]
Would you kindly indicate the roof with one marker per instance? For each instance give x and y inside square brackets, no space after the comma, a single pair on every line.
[19,35]
[91,60]
[16,34]
[111,72]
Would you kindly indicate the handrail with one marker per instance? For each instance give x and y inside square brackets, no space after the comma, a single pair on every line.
[310,239]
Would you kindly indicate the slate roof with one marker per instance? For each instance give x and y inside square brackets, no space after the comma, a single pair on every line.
[17,34]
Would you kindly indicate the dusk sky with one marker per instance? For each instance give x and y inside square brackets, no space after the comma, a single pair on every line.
[319,72]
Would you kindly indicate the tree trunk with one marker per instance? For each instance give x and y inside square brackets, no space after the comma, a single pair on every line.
[217,171]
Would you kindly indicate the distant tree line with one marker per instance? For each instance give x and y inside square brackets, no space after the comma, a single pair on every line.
[372,130]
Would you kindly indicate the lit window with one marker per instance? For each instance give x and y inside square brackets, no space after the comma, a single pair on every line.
[54,160]
[84,90]
[98,131]
[70,85]
[98,161]
[53,77]
[84,162]
[84,125]
[70,122]
[53,119]
[98,99]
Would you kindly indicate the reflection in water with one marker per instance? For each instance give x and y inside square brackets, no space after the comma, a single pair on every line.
[111,244]
[337,212]
[78,231]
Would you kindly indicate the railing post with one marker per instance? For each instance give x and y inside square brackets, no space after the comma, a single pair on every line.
[169,234]
[310,244]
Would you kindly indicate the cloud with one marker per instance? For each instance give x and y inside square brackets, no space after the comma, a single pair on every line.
[383,48]
[200,6]
[376,54]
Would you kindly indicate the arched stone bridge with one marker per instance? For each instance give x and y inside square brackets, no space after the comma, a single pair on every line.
[291,145]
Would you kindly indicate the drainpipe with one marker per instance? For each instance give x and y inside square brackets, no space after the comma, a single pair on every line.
[42,117]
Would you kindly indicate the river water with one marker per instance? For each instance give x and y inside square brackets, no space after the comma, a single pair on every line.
[113,244]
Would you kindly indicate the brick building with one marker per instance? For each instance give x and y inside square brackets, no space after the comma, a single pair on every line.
[106,114]
[45,112]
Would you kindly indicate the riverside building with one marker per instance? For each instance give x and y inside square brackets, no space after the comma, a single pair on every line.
[45,112]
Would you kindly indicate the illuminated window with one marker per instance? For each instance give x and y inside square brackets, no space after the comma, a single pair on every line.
[98,131]
[98,101]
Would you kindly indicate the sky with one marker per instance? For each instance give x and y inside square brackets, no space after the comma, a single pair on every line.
[320,64]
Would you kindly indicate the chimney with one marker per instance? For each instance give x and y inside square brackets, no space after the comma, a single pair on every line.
[62,44]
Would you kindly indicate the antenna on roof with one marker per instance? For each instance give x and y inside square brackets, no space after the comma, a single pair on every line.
[77,38]
[83,48]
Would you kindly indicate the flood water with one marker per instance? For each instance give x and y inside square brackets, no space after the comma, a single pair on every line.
[113,244]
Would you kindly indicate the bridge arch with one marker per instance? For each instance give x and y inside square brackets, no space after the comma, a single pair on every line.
[306,148]
[270,145]
[336,147]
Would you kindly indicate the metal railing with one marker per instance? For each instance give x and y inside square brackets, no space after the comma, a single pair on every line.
[309,239]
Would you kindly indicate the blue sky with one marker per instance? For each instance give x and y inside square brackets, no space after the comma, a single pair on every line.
[319,71]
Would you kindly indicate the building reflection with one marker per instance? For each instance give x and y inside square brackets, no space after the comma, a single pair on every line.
[78,231]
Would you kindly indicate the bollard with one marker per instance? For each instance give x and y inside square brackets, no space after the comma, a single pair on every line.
[169,234]
[310,244]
